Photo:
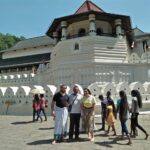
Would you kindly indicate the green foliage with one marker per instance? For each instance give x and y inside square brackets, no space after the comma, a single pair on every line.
[8,40]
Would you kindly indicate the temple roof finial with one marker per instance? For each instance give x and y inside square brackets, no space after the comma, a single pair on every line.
[87,6]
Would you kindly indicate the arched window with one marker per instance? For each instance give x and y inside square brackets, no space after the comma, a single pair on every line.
[76,46]
[99,31]
[145,46]
[59,35]
[81,32]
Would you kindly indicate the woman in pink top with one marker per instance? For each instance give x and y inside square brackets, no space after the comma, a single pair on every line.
[43,105]
[36,108]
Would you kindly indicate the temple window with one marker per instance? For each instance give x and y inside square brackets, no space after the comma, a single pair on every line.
[59,35]
[82,32]
[145,46]
[99,31]
[0,55]
[76,46]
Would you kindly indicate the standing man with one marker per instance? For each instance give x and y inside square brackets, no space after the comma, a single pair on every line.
[103,111]
[75,112]
[60,113]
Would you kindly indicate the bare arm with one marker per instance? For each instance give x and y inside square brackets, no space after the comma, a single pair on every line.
[52,108]
[81,106]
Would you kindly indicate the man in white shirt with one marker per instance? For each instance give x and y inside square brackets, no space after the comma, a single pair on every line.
[75,113]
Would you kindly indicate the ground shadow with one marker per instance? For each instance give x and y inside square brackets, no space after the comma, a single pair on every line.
[21,122]
[79,140]
[135,139]
[97,123]
[41,142]
[109,144]
[49,141]
[102,135]
[46,128]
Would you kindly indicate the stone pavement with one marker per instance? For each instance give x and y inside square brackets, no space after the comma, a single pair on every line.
[19,133]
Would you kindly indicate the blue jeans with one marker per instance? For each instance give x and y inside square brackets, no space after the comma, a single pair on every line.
[124,128]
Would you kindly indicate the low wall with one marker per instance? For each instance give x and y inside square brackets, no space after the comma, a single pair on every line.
[26,109]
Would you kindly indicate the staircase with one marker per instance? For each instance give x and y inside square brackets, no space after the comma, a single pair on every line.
[107,49]
[110,49]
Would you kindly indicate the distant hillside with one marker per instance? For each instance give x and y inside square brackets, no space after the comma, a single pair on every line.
[8,40]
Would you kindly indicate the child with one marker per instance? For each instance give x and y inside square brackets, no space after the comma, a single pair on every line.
[111,118]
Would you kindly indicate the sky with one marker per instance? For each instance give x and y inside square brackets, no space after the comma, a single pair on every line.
[31,18]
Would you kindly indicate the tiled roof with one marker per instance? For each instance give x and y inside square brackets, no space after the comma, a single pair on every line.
[21,61]
[32,42]
[88,6]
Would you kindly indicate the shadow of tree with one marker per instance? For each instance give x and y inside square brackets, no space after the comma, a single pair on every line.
[41,142]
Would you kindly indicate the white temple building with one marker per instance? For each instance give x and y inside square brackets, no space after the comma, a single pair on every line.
[91,47]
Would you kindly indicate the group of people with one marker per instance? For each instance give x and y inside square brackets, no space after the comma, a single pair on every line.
[82,107]
[74,105]
[109,113]
[39,105]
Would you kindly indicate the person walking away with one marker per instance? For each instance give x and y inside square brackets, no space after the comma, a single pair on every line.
[123,109]
[43,105]
[60,102]
[75,113]
[136,105]
[103,111]
[88,108]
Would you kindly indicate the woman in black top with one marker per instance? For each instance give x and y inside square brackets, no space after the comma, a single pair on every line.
[136,105]
[123,109]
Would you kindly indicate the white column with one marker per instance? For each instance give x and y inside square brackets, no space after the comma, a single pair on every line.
[64,30]
[92,30]
[118,28]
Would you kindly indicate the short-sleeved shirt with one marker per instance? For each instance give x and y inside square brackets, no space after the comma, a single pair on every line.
[76,109]
[61,100]
[43,102]
[135,106]
[88,101]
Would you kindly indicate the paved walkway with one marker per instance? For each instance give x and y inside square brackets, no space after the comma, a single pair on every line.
[19,133]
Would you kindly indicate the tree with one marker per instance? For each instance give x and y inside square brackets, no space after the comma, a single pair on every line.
[8,40]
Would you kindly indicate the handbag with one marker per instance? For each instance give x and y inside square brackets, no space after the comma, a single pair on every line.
[70,106]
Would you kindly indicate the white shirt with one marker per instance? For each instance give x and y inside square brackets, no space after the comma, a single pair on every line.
[76,107]
[135,106]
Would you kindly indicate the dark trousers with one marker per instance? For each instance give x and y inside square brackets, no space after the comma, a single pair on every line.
[38,115]
[34,113]
[124,127]
[134,123]
[103,120]
[74,125]
[44,113]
